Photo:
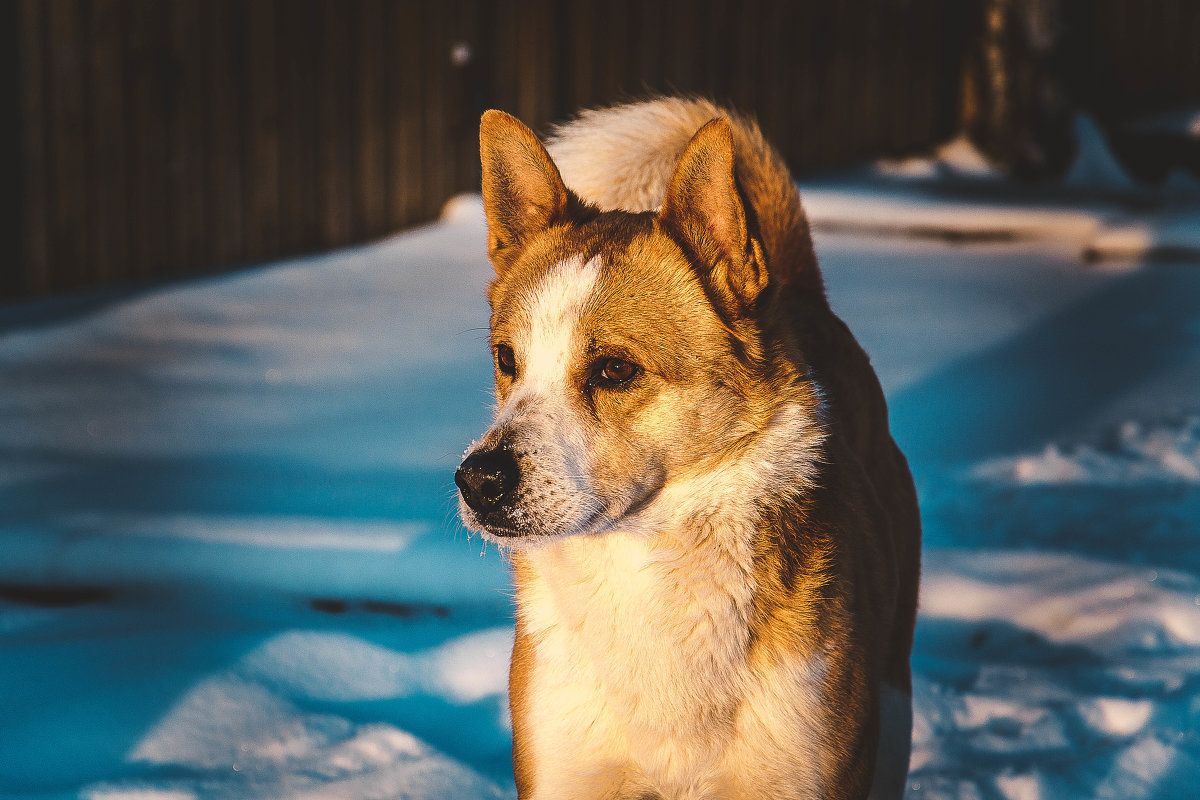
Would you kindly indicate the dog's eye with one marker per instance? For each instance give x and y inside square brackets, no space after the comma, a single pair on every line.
[506,359]
[617,372]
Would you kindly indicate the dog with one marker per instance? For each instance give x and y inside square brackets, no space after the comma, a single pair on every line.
[715,541]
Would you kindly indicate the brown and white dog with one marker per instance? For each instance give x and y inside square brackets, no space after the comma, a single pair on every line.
[714,539]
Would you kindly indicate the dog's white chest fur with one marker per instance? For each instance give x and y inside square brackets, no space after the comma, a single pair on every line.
[641,661]
[640,678]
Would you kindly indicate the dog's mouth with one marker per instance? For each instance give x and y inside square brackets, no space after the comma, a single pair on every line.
[502,531]
[529,520]
[517,505]
[495,524]
[526,532]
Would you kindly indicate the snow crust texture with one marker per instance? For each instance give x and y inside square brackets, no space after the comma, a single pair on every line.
[1129,456]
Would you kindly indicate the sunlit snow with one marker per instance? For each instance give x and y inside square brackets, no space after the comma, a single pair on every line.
[232,567]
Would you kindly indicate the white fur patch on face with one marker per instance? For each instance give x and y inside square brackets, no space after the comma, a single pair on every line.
[538,419]
[554,314]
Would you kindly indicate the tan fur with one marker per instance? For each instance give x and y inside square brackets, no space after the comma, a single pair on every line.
[624,157]
[716,560]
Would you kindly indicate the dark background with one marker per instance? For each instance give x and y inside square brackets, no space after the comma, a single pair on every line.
[160,138]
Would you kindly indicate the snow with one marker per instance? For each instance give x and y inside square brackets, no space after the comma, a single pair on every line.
[957,158]
[1131,455]
[231,566]
[244,720]
[1094,166]
[1173,234]
[1116,716]
[1066,598]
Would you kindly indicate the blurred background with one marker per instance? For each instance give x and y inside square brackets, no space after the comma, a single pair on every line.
[158,139]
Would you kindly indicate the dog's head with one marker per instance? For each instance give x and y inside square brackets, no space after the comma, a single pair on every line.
[627,354]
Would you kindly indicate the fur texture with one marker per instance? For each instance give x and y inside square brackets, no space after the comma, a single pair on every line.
[714,539]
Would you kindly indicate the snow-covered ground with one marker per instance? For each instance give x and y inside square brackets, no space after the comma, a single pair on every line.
[230,565]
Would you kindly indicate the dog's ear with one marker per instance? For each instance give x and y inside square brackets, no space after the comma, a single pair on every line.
[523,192]
[704,208]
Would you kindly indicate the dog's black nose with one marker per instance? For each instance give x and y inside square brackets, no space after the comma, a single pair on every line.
[488,479]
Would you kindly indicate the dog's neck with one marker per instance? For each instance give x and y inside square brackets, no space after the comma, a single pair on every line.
[671,592]
[653,630]
[775,463]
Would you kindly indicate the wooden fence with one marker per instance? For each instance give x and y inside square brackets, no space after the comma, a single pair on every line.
[166,138]
[158,138]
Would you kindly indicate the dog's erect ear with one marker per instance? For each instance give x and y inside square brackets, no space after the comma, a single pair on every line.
[523,192]
[704,208]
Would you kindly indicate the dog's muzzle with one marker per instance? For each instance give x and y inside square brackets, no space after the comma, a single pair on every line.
[488,481]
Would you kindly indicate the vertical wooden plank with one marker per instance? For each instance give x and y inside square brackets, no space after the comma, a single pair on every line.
[1173,36]
[1145,45]
[189,46]
[297,124]
[788,85]
[931,101]
[837,89]
[863,111]
[489,55]
[809,45]
[749,79]
[614,44]
[632,81]
[11,168]
[945,73]
[32,274]
[370,151]
[583,54]
[705,46]
[779,79]
[108,241]
[333,123]
[895,80]
[464,101]
[591,35]
[146,151]
[405,139]
[720,60]
[261,115]
[1190,35]
[850,31]
[936,75]
[535,87]
[678,68]
[437,166]
[67,140]
[224,167]
[647,58]
[934,97]
[719,51]
[436,169]
[561,61]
